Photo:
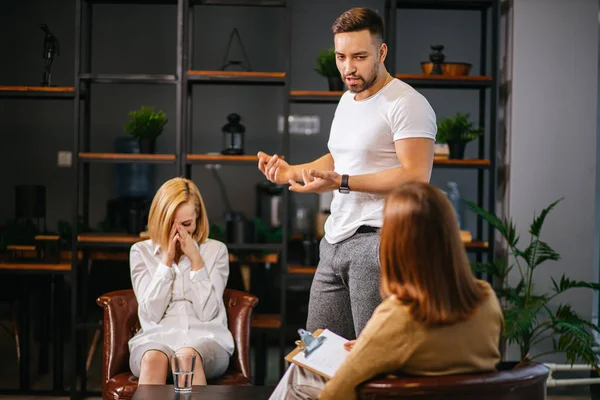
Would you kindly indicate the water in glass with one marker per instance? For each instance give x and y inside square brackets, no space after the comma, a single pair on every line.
[182,381]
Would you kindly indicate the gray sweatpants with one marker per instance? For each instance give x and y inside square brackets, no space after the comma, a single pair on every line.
[345,289]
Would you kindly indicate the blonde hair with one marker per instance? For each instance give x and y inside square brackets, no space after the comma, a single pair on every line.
[168,198]
[423,260]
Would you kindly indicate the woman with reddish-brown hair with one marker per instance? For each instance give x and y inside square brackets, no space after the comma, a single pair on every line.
[435,319]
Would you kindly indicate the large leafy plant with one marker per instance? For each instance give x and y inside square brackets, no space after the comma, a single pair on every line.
[146,123]
[326,65]
[529,319]
[457,129]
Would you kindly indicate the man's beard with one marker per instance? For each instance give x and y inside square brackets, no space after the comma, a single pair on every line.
[363,84]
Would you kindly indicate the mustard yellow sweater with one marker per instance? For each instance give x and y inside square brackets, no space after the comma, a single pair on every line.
[393,341]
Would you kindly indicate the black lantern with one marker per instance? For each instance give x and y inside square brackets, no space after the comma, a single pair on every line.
[233,136]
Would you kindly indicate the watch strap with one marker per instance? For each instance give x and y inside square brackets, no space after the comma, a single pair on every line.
[344,188]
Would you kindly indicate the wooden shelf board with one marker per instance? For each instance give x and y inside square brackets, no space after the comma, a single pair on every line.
[446,82]
[219,157]
[468,78]
[315,96]
[266,321]
[237,74]
[36,266]
[39,89]
[301,269]
[106,237]
[236,77]
[126,157]
[37,92]
[271,258]
[476,245]
[47,237]
[20,247]
[463,162]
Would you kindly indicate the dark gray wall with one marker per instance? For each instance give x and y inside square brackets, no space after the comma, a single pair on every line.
[142,39]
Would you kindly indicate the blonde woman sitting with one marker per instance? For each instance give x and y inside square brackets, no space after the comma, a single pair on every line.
[178,277]
[436,318]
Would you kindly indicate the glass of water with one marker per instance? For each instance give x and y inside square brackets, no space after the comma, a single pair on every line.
[182,366]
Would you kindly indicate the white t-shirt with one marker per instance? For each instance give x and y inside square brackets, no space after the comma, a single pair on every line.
[362,142]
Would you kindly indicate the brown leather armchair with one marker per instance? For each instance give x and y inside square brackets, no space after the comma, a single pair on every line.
[121,323]
[524,382]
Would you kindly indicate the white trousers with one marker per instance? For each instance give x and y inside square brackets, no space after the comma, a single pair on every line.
[298,384]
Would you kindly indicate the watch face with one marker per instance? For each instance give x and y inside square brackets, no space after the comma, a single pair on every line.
[344,190]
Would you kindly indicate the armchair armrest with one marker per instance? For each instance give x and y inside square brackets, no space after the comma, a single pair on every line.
[239,306]
[120,324]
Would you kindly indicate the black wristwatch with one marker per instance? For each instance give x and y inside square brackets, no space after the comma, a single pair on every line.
[344,188]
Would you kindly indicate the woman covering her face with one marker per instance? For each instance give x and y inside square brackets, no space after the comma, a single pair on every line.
[179,276]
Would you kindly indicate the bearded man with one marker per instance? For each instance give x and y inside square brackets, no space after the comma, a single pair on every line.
[382,135]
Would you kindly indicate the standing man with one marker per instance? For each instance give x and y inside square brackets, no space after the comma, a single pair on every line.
[382,134]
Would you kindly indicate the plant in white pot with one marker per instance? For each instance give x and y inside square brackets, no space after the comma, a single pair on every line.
[532,316]
[146,125]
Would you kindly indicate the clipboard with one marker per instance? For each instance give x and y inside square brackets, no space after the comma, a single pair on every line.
[299,348]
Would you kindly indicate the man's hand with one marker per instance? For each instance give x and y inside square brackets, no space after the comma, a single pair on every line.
[274,168]
[317,182]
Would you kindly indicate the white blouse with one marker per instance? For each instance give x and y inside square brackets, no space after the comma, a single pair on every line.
[179,307]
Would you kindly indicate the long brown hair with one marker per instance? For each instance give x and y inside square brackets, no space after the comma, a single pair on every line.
[423,260]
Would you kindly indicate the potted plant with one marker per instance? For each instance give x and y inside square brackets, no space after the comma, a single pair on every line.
[457,132]
[146,125]
[327,67]
[528,316]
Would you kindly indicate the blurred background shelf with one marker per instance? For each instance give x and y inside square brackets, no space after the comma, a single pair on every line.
[46,92]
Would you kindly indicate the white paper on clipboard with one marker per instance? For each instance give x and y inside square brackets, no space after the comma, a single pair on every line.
[328,357]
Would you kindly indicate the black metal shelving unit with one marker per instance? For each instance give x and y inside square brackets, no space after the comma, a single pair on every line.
[83,157]
[56,276]
[486,83]
[278,81]
[185,78]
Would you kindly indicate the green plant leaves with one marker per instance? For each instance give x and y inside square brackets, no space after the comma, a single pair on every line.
[506,227]
[566,284]
[538,222]
[457,129]
[326,65]
[574,336]
[146,123]
[520,317]
[525,322]
[538,252]
[498,268]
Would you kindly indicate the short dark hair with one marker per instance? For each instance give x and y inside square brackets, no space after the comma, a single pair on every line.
[358,19]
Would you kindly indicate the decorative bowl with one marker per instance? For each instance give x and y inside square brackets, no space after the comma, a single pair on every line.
[448,68]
